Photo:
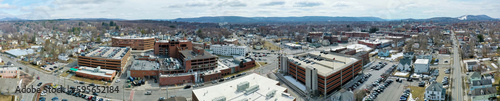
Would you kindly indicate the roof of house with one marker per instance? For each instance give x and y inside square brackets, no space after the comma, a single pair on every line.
[435,86]
[405,61]
[475,75]
[481,82]
[484,91]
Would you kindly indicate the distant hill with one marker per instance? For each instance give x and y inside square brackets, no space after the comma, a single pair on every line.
[461,18]
[475,17]
[11,19]
[238,19]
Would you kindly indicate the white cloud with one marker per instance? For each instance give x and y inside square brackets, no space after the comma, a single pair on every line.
[170,9]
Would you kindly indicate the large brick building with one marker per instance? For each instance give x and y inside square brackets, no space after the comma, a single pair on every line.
[172,48]
[320,72]
[114,58]
[198,59]
[356,34]
[224,68]
[136,43]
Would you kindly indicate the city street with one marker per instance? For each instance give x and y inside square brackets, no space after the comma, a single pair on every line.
[456,88]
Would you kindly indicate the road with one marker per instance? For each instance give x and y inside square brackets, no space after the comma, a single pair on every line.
[456,89]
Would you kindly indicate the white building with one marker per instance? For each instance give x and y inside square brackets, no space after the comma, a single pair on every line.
[435,92]
[229,50]
[421,66]
[63,57]
[252,87]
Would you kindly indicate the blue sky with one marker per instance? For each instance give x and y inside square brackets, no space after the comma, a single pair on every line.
[171,9]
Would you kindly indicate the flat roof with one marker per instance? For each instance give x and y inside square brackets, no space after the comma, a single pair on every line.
[230,45]
[9,68]
[20,52]
[228,90]
[228,62]
[95,71]
[422,61]
[190,55]
[144,65]
[377,41]
[133,37]
[325,67]
[108,52]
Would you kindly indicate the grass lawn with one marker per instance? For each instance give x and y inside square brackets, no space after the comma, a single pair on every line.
[7,98]
[64,74]
[99,82]
[417,92]
[271,46]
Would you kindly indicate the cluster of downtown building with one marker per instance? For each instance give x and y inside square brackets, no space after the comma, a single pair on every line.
[175,61]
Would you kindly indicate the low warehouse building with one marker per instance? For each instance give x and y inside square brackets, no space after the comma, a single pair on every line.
[96,73]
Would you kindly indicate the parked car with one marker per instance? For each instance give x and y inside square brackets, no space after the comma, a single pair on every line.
[187,86]
[147,93]
[39,84]
[421,84]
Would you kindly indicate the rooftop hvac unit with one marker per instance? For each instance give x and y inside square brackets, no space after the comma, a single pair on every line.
[252,89]
[270,94]
[220,98]
[242,86]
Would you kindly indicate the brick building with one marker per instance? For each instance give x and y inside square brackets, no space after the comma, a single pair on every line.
[172,48]
[136,43]
[114,58]
[9,72]
[356,34]
[198,59]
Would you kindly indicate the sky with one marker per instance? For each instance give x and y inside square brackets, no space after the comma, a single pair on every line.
[171,9]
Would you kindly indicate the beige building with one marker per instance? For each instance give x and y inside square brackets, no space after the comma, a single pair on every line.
[9,72]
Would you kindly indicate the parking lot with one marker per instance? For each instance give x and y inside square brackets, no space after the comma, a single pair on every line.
[375,73]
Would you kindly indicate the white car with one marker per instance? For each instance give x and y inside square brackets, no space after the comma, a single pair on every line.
[76,81]
[43,94]
[118,80]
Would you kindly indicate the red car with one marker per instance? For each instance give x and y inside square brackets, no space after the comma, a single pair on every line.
[38,77]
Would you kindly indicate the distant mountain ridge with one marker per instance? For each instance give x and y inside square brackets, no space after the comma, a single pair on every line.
[461,18]
[238,19]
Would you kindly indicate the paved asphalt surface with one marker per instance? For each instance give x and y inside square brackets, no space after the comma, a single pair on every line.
[456,89]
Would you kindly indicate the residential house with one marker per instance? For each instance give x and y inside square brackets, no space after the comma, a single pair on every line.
[471,64]
[474,76]
[384,53]
[421,66]
[435,92]
[405,64]
[483,83]
[484,94]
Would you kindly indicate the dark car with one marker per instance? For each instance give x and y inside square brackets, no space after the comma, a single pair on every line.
[81,82]
[187,86]
[92,84]
[39,84]
[94,94]
[421,84]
